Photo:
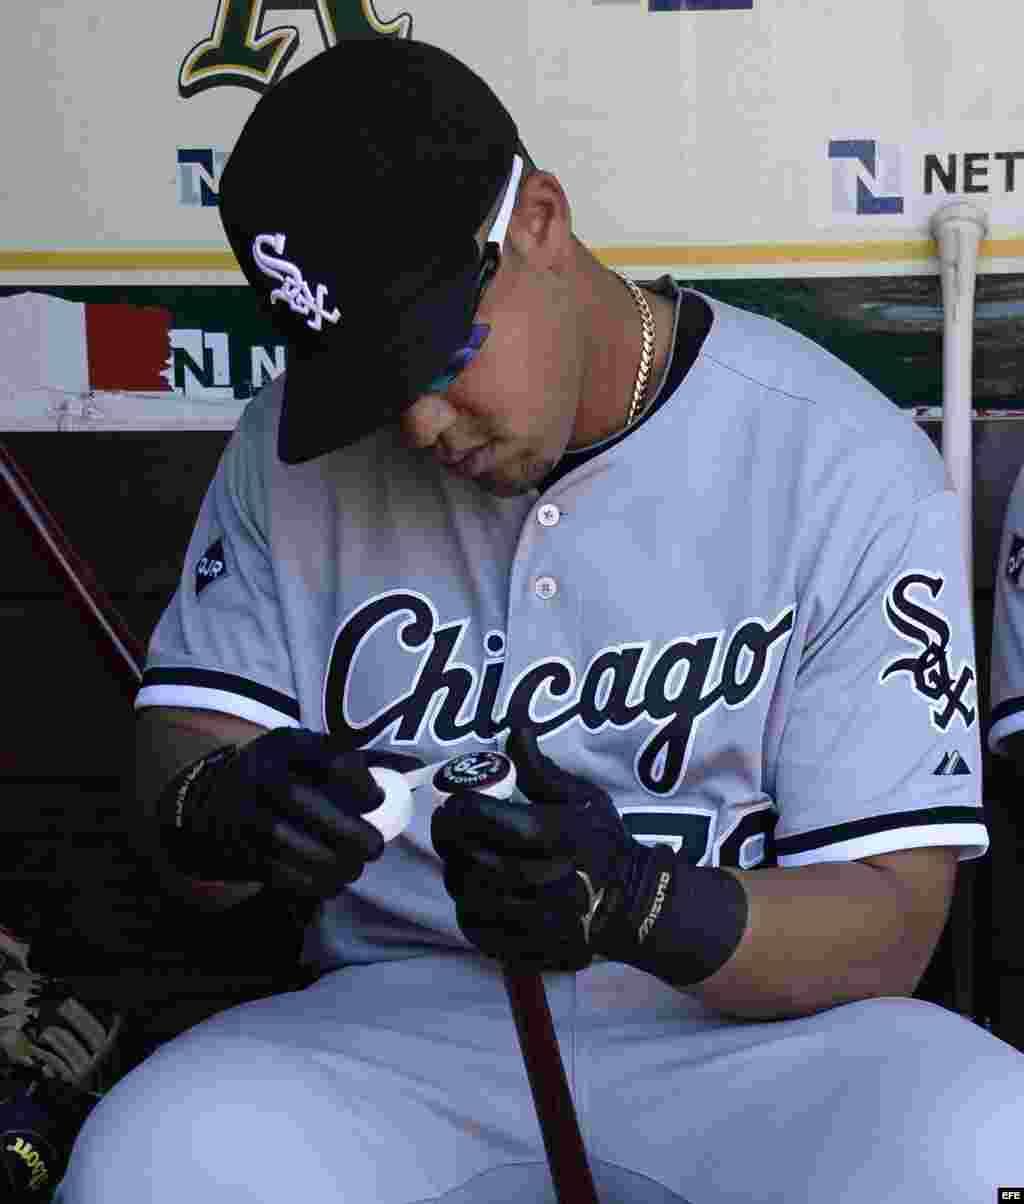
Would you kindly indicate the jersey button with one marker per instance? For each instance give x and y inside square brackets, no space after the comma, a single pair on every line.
[545,587]
[548,515]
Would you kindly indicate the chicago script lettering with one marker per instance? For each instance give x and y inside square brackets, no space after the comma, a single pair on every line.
[673,687]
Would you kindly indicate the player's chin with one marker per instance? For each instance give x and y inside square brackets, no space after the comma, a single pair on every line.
[500,486]
[515,478]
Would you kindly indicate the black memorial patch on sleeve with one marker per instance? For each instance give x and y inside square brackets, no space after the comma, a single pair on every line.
[212,566]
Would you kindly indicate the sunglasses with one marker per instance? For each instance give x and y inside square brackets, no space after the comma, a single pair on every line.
[489,261]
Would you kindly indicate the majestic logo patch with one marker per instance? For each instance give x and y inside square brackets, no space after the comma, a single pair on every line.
[930,672]
[952,763]
[294,290]
[211,567]
[1015,561]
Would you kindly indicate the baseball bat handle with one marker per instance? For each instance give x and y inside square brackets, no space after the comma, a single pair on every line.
[556,1112]
[495,774]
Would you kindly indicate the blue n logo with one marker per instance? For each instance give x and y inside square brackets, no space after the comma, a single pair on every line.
[866,153]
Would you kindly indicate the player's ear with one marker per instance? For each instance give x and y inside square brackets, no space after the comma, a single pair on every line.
[540,230]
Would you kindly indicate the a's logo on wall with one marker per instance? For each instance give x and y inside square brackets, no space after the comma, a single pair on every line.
[866,177]
[199,171]
[241,52]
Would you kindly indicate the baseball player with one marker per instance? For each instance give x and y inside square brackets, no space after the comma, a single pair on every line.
[1007,672]
[696,577]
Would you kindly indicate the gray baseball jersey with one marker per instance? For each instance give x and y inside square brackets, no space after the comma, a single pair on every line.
[1007,671]
[747,620]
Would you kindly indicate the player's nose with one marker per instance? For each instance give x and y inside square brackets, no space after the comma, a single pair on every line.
[423,423]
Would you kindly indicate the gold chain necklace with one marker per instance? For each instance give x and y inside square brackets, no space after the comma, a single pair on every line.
[646,355]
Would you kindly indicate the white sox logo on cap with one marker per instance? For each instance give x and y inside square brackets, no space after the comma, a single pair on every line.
[294,290]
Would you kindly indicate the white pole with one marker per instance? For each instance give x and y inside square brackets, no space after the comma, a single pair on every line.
[958,229]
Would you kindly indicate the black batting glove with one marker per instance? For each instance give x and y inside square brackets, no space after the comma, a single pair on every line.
[546,885]
[285,809]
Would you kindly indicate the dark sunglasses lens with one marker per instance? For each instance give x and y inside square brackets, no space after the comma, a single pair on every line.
[479,330]
[462,358]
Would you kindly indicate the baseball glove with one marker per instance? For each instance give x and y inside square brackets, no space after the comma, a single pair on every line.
[53,1054]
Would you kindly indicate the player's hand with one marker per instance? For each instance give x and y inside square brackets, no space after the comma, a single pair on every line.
[548,884]
[285,809]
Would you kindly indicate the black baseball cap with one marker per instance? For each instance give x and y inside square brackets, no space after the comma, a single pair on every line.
[352,200]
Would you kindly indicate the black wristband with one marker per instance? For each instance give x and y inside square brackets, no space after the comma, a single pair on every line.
[179,803]
[685,923]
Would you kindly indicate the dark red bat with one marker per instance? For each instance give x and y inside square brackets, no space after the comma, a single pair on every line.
[117,645]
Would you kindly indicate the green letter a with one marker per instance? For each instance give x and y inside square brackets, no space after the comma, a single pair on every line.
[238,50]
